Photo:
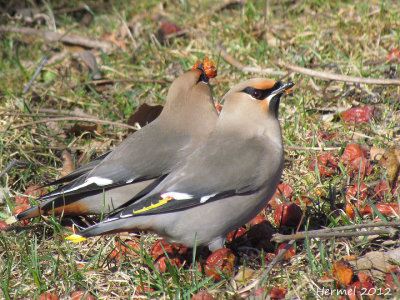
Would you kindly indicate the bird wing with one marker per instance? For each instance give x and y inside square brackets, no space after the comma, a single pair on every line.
[211,173]
[138,158]
[80,171]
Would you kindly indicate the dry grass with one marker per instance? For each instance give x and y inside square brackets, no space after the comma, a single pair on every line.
[350,38]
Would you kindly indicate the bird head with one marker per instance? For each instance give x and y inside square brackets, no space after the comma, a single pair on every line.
[259,92]
[192,85]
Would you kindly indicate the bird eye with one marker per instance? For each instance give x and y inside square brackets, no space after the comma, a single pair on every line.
[256,94]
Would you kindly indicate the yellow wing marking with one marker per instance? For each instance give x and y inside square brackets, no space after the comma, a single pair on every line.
[158,204]
[75,238]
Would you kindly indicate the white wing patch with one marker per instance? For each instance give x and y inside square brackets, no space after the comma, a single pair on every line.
[121,216]
[99,181]
[205,198]
[110,220]
[176,196]
[130,180]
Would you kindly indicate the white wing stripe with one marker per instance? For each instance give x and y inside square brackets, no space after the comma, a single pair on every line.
[97,180]
[205,198]
[176,195]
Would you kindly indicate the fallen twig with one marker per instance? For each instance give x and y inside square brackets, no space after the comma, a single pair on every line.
[291,68]
[338,232]
[21,228]
[257,283]
[301,148]
[80,114]
[54,36]
[74,119]
[270,266]
[105,81]
[279,238]
[56,148]
[38,69]
[12,164]
[49,112]
[338,77]
[140,80]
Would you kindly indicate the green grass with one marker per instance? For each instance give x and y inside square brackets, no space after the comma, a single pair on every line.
[341,37]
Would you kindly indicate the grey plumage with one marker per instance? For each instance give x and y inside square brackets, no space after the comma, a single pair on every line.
[221,185]
[189,116]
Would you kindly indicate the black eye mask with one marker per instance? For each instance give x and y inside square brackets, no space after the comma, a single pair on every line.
[260,94]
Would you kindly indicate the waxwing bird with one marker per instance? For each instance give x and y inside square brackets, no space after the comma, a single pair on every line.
[186,121]
[220,186]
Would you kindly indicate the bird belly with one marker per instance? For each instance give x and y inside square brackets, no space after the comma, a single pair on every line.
[203,224]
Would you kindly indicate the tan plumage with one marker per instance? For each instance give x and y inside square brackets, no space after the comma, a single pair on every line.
[189,116]
[221,185]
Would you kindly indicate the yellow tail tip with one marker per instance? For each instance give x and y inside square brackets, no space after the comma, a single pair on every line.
[11,220]
[75,238]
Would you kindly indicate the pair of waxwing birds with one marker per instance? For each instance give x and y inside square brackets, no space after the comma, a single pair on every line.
[139,162]
[221,185]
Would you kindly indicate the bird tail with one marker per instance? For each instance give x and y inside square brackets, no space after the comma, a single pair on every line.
[108,226]
[32,212]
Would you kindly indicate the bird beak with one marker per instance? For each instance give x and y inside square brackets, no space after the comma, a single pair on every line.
[203,77]
[286,87]
[275,96]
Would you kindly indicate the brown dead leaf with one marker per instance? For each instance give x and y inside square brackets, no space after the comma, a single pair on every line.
[376,153]
[354,157]
[77,129]
[167,30]
[81,62]
[82,295]
[356,194]
[126,249]
[392,163]
[349,257]
[342,272]
[68,164]
[390,209]
[144,115]
[47,296]
[90,60]
[377,262]
[382,190]
[326,163]
[394,254]
[277,292]
[202,295]
[244,274]
[73,48]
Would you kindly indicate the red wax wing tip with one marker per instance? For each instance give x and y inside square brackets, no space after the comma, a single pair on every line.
[209,68]
[196,65]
